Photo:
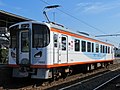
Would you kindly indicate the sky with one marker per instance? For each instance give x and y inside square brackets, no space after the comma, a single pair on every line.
[96,17]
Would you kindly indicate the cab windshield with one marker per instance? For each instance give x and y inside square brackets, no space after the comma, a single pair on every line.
[13,36]
[41,35]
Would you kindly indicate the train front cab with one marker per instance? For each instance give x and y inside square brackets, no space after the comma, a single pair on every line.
[29,50]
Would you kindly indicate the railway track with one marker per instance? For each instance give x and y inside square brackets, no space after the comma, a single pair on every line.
[107,82]
[81,78]
[96,82]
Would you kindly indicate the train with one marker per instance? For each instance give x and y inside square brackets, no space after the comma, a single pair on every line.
[47,50]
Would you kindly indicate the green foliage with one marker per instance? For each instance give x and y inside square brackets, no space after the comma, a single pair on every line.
[3,56]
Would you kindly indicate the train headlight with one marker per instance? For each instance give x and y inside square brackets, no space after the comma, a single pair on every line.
[25,61]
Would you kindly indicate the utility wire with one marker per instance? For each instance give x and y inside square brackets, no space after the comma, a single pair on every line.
[79,20]
[76,18]
[108,35]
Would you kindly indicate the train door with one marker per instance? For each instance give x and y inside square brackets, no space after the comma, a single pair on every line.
[23,47]
[55,48]
[63,49]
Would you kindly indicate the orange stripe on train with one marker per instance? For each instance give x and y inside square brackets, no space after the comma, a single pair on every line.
[77,36]
[61,65]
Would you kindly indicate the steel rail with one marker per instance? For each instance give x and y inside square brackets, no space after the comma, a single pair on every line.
[78,83]
[106,82]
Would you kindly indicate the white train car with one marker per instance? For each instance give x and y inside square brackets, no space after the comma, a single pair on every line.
[48,50]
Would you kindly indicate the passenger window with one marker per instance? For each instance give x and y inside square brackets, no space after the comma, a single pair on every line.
[108,49]
[92,47]
[88,46]
[83,44]
[112,49]
[97,48]
[63,41]
[101,48]
[55,40]
[77,45]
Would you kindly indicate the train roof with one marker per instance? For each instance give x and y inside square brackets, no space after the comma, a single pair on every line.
[61,27]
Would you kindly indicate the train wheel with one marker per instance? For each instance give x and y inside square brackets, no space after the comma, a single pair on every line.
[55,74]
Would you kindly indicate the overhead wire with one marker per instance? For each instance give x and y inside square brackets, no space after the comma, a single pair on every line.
[80,20]
[76,18]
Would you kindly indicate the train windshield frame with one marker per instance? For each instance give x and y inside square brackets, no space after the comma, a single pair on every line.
[41,35]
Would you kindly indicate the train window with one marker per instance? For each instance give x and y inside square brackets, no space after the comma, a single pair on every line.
[97,48]
[92,47]
[112,49]
[88,46]
[63,41]
[77,45]
[55,40]
[41,35]
[13,36]
[83,44]
[101,49]
[24,42]
[108,49]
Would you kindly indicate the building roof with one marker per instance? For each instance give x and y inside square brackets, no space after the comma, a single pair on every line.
[7,19]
